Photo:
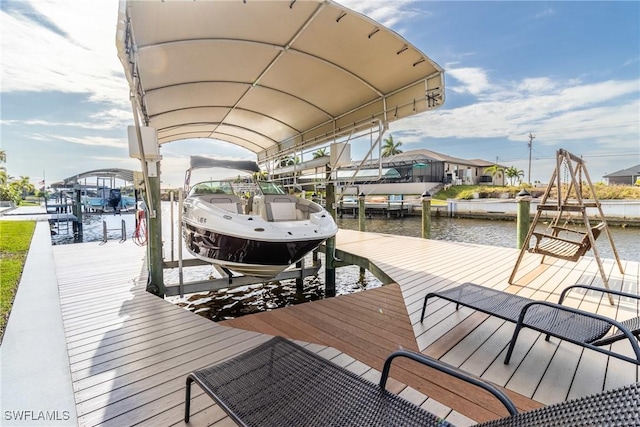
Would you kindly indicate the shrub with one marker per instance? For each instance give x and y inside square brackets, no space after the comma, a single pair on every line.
[10,193]
[603,192]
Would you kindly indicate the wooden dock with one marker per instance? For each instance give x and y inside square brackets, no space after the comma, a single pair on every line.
[130,351]
[545,372]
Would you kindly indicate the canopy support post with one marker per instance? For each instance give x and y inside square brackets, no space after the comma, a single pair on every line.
[156,283]
[330,253]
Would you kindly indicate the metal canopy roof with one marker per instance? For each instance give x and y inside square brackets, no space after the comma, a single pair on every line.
[111,173]
[270,76]
[123,174]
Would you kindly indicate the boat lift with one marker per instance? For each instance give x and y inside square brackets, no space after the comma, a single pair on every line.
[229,278]
[304,87]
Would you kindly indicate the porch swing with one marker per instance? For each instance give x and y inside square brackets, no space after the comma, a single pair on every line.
[560,241]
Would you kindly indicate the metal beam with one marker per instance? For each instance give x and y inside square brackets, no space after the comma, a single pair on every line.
[226,282]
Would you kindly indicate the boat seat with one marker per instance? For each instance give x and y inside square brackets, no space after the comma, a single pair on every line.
[228,202]
[280,208]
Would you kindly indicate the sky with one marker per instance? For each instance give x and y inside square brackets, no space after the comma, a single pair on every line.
[567,73]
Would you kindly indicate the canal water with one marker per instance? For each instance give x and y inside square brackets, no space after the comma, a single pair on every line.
[491,232]
[480,231]
[226,304]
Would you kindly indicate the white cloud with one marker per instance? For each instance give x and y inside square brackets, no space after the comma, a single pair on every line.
[82,60]
[545,13]
[556,110]
[107,120]
[97,141]
[473,80]
[387,13]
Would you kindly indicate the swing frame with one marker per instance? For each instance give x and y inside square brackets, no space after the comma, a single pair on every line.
[563,204]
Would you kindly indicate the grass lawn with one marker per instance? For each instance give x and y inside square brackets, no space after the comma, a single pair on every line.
[15,238]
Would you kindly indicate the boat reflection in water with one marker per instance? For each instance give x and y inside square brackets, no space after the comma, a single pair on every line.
[251,227]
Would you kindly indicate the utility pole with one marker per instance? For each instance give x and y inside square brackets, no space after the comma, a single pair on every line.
[531,138]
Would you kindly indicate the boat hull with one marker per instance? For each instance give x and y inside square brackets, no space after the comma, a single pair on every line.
[247,256]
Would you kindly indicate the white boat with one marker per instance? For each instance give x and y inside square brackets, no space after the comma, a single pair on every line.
[250,227]
[107,200]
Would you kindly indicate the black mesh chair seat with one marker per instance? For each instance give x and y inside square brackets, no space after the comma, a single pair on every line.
[280,383]
[577,326]
[618,407]
[632,324]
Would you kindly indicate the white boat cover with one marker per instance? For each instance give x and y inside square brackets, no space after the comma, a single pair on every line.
[270,76]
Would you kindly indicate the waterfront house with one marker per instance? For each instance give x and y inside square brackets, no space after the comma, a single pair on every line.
[627,176]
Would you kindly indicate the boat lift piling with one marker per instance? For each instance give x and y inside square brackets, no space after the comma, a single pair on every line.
[180,211]
[330,268]
[156,283]
[361,225]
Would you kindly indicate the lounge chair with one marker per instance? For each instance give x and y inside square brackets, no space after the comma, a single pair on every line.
[577,326]
[280,383]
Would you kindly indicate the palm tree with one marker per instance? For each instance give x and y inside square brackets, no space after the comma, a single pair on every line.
[320,153]
[495,171]
[260,176]
[513,173]
[3,156]
[289,161]
[390,147]
[25,186]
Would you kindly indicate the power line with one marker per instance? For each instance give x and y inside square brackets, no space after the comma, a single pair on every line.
[531,138]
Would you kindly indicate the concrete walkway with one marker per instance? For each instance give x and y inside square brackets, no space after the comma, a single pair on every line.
[36,387]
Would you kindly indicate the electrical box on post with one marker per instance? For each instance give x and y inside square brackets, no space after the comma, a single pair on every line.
[138,180]
[149,143]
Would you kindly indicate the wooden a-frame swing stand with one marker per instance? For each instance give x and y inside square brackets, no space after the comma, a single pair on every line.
[554,244]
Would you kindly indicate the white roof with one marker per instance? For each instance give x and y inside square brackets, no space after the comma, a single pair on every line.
[270,76]
[348,174]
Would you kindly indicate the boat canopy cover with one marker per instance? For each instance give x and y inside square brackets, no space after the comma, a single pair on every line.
[201,162]
[274,77]
[123,174]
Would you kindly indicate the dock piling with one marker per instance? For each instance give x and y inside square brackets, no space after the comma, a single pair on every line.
[361,212]
[426,215]
[523,199]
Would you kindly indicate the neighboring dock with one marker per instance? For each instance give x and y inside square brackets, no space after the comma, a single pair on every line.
[128,352]
[616,212]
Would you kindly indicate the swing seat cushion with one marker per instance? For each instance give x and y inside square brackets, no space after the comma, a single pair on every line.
[567,249]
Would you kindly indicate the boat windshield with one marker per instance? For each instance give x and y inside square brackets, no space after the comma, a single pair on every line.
[270,187]
[211,187]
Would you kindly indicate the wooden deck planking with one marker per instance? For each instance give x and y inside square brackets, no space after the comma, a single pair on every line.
[534,280]
[343,324]
[130,351]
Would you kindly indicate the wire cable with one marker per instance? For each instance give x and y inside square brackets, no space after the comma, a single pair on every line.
[140,234]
